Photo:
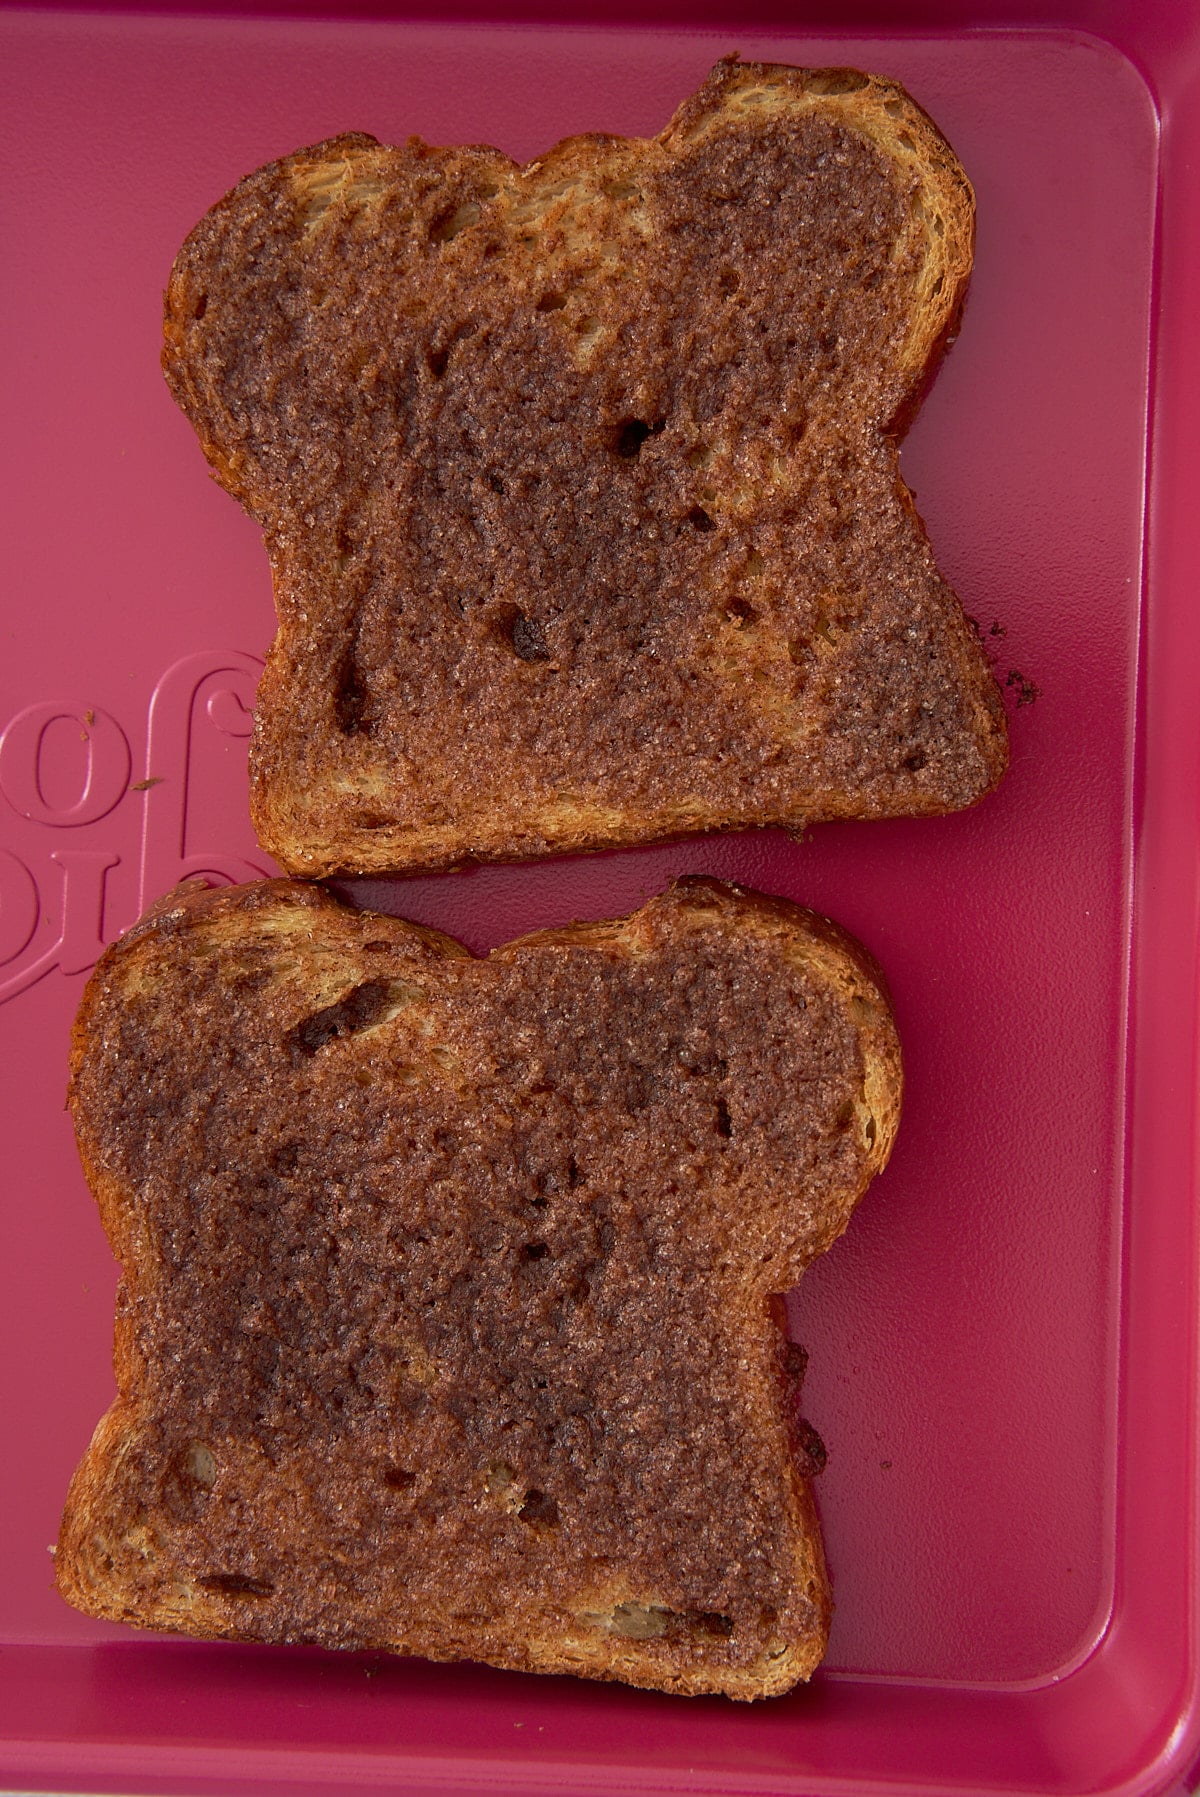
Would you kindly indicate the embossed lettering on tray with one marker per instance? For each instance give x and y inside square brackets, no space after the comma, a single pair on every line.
[59,891]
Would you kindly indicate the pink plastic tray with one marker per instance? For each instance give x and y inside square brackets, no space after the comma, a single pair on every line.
[1003,1349]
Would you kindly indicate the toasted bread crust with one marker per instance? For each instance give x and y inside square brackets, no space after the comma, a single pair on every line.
[580,483]
[445,1321]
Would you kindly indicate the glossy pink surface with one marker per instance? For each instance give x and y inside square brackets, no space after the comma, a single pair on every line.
[1003,1347]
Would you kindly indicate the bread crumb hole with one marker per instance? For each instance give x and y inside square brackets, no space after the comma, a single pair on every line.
[528,640]
[836,81]
[903,138]
[637,1622]
[499,1478]
[236,1584]
[700,519]
[202,1465]
[741,612]
[649,1622]
[398,1478]
[631,436]
[366,1006]
[539,1510]
[551,302]
[447,225]
[524,636]
[729,281]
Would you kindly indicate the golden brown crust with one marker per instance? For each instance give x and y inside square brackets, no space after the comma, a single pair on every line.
[580,480]
[445,1322]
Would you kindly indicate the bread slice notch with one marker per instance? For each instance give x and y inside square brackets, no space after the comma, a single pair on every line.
[580,479]
[447,1320]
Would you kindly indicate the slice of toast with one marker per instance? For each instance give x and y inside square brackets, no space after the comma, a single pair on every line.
[580,479]
[446,1322]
